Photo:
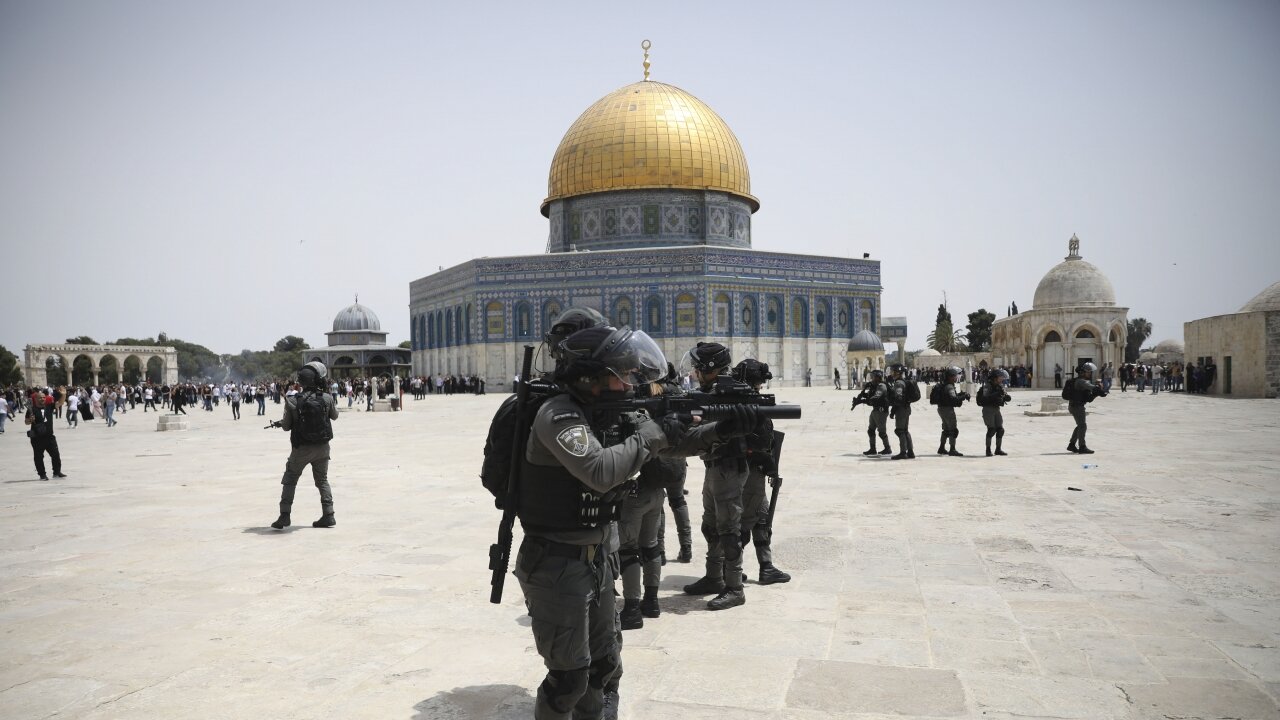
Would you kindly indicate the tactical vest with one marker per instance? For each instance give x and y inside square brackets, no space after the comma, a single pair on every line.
[552,500]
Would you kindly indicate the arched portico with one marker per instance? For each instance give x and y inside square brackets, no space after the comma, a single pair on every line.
[100,358]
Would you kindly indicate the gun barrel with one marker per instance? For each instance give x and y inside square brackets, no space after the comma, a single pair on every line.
[773,412]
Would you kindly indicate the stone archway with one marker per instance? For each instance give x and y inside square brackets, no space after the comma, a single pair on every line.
[37,357]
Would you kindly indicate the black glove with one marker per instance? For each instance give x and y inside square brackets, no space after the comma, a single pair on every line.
[740,423]
[1007,398]
[964,396]
[893,413]
[673,428]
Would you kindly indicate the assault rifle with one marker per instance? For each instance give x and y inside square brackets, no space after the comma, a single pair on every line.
[500,552]
[865,395]
[775,481]
[272,424]
[709,406]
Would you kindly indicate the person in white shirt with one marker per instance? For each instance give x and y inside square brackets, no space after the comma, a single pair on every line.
[4,413]
[73,410]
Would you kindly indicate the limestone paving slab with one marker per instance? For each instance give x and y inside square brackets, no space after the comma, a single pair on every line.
[148,585]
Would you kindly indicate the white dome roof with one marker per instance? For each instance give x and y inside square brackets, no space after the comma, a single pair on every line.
[1268,299]
[356,318]
[866,341]
[928,352]
[1169,346]
[1074,283]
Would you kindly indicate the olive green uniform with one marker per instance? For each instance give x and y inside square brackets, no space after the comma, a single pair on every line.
[316,455]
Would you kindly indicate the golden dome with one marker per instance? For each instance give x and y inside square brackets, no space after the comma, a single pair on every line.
[648,135]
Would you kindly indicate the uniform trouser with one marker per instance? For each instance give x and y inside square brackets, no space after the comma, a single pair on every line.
[722,519]
[950,431]
[640,554]
[901,428]
[317,456]
[42,445]
[575,628]
[878,423]
[995,424]
[755,515]
[1077,412]
[677,499]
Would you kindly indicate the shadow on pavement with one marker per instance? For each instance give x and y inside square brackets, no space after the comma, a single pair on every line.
[10,482]
[477,702]
[270,530]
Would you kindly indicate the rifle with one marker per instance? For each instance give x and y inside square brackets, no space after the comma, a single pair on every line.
[500,552]
[709,406]
[272,424]
[775,482]
[863,396]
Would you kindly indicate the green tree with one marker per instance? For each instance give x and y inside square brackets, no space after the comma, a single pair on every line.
[10,371]
[291,343]
[406,345]
[82,340]
[945,339]
[1138,330]
[979,330]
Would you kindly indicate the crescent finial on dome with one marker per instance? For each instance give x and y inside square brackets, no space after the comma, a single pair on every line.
[645,45]
[1073,248]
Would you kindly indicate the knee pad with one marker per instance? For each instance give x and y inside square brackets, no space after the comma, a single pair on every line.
[677,501]
[899,433]
[955,433]
[761,535]
[731,547]
[651,553]
[709,532]
[602,671]
[563,688]
[999,432]
[628,557]
[991,432]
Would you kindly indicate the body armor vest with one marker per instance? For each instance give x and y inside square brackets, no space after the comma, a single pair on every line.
[552,499]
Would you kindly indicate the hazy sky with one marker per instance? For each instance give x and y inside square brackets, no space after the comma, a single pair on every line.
[232,172]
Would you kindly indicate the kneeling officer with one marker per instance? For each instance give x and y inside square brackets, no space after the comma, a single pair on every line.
[568,496]
[308,419]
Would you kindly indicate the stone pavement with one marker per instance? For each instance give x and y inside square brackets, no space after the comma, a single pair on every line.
[148,585]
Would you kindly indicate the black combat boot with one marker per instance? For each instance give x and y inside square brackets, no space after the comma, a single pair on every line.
[942,444]
[911,446]
[282,522]
[770,575]
[989,443]
[649,605]
[728,598]
[610,709]
[705,586]
[686,553]
[325,520]
[1071,446]
[953,452]
[1000,441]
[631,617]
[872,438]
[888,450]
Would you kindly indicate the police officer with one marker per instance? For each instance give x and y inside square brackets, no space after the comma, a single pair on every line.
[724,454]
[760,464]
[40,417]
[567,496]
[876,394]
[308,418]
[991,397]
[900,401]
[1079,392]
[641,554]
[944,395]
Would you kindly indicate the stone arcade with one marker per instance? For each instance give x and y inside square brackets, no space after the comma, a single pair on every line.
[649,207]
[157,364]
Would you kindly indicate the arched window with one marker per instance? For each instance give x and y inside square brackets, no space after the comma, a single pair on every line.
[431,331]
[686,314]
[1053,337]
[448,327]
[523,320]
[1115,335]
[495,324]
[1085,334]
[799,317]
[413,332]
[721,314]
[653,314]
[822,316]
[457,325]
[844,319]
[623,312]
[551,310]
[773,315]
[466,322]
[748,315]
[866,316]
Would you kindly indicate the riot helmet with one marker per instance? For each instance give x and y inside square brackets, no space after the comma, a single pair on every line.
[312,374]
[1000,376]
[565,324]
[752,372]
[897,369]
[877,375]
[955,371]
[1089,368]
[706,359]
[629,355]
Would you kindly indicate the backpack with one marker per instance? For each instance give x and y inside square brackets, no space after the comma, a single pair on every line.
[313,419]
[912,393]
[496,470]
[935,394]
[1066,390]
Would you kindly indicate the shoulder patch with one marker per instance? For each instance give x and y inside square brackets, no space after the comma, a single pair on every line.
[566,415]
[575,440]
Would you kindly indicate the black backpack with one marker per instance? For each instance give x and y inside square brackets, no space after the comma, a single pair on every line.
[935,393]
[913,391]
[313,419]
[496,470]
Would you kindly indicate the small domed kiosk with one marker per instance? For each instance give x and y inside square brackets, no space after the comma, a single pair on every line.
[358,347]
[865,352]
[1074,319]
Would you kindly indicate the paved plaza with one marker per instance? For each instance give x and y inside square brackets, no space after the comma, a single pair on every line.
[148,585]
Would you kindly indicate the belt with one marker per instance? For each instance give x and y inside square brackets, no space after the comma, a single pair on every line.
[586,553]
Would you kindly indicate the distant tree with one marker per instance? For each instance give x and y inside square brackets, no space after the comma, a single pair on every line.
[406,345]
[979,330]
[10,371]
[1139,329]
[291,343]
[943,314]
[82,340]
[945,339]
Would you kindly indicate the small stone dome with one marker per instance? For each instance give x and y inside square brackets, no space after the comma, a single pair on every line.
[1074,283]
[928,352]
[866,341]
[1267,300]
[1170,347]
[356,318]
